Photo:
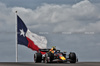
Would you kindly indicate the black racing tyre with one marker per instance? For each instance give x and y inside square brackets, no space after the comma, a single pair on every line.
[49,57]
[72,57]
[37,57]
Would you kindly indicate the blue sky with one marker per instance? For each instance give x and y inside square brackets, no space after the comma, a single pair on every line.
[70,25]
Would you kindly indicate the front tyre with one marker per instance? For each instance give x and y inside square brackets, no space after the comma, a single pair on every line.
[49,57]
[72,57]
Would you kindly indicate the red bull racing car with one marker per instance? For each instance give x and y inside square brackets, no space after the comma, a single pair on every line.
[44,55]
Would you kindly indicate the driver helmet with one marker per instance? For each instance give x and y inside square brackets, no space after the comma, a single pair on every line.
[54,47]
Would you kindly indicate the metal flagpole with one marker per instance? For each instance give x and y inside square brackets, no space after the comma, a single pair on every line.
[16,35]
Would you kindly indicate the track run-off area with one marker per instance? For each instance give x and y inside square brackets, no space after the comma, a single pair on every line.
[49,64]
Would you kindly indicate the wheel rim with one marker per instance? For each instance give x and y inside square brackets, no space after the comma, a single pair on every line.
[45,60]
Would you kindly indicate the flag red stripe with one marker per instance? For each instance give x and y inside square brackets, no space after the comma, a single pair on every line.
[32,45]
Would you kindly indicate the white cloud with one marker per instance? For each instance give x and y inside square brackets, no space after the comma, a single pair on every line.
[6,18]
[77,17]
[82,16]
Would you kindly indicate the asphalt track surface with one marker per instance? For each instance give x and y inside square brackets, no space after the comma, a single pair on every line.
[49,64]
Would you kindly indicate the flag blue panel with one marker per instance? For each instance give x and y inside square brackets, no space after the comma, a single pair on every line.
[21,32]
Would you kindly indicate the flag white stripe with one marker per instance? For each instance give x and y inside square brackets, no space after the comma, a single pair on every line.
[40,41]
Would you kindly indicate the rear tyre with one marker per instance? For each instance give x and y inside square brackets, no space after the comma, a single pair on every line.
[72,57]
[37,57]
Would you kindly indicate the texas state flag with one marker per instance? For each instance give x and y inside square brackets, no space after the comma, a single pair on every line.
[29,39]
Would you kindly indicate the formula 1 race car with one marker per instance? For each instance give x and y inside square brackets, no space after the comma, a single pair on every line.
[44,55]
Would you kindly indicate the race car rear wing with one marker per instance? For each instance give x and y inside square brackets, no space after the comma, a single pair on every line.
[44,50]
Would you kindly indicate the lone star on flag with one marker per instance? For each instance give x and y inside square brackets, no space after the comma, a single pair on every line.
[22,32]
